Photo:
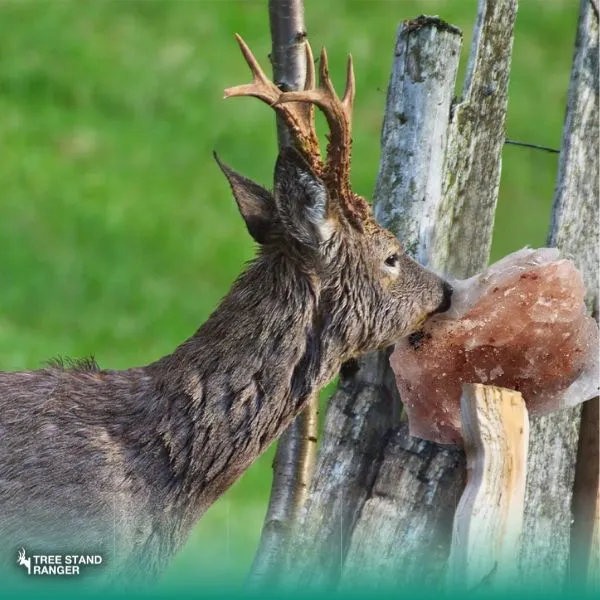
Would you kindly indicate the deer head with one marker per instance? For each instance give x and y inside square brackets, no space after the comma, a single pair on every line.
[23,560]
[371,292]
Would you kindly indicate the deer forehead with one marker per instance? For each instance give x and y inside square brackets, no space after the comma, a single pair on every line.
[375,240]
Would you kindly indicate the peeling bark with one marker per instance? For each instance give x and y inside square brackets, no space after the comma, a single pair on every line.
[574,229]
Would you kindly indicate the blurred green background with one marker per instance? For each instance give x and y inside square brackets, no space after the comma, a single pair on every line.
[118,235]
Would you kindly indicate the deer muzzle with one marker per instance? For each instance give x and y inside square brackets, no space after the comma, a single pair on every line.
[448,290]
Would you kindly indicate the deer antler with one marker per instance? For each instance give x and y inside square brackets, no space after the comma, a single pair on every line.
[299,118]
[339,118]
[296,109]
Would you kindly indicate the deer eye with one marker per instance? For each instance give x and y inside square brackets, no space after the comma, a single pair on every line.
[392,260]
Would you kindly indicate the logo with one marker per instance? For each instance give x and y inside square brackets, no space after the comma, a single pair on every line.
[56,564]
[23,561]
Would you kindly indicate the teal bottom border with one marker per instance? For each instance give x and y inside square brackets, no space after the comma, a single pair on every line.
[65,591]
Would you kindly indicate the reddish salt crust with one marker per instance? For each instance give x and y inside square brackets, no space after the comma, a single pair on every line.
[521,325]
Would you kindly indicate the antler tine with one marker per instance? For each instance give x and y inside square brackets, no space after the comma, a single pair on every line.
[310,67]
[350,91]
[261,87]
[339,118]
[324,79]
[299,118]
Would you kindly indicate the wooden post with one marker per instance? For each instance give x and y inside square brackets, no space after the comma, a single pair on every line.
[489,517]
[585,540]
[365,407]
[551,506]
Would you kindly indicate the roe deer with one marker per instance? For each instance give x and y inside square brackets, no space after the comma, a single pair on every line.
[124,463]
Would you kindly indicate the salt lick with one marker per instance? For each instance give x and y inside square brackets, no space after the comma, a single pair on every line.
[522,325]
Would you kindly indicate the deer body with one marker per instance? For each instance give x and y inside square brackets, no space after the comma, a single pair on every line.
[123,463]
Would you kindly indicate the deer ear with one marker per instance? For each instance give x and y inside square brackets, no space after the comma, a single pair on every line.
[301,199]
[256,204]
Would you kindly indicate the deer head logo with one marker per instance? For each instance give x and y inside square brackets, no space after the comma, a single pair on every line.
[23,561]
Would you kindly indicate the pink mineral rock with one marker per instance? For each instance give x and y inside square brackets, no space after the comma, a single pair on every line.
[521,325]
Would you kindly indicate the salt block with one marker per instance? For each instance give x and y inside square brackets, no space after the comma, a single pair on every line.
[522,325]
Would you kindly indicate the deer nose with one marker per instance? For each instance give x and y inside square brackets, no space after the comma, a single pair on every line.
[447,299]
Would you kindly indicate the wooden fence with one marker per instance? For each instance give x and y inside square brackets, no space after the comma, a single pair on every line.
[381,504]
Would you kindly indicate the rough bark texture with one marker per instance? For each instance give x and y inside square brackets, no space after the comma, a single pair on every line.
[404,529]
[489,517]
[357,427]
[554,438]
[381,504]
[296,450]
[476,138]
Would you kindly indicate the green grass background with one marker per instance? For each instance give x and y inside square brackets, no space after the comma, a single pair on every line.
[118,235]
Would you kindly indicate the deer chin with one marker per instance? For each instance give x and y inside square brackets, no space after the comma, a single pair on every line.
[416,327]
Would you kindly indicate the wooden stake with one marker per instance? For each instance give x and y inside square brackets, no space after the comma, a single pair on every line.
[552,502]
[488,520]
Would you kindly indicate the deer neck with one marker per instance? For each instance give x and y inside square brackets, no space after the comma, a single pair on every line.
[234,386]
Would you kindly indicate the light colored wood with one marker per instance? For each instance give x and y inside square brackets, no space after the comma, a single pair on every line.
[545,560]
[487,525]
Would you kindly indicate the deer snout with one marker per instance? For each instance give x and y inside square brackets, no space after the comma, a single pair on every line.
[447,291]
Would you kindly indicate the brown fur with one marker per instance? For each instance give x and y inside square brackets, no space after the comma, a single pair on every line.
[124,463]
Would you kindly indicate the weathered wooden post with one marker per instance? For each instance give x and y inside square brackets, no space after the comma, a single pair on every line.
[574,229]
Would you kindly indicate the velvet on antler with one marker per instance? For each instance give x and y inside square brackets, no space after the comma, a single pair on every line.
[296,110]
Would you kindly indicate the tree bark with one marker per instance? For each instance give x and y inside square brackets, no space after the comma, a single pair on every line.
[574,229]
[296,450]
[475,141]
[381,504]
